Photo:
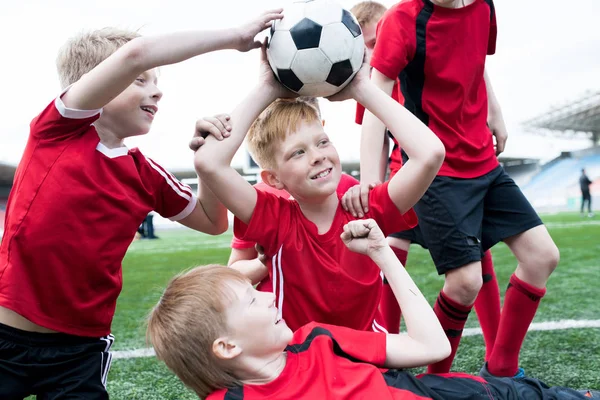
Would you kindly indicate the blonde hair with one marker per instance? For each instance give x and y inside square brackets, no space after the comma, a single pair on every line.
[82,53]
[188,318]
[367,12]
[281,118]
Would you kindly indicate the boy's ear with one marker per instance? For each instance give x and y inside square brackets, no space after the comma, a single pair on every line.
[225,349]
[270,178]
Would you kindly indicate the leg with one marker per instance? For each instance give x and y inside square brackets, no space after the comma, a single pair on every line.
[388,304]
[450,217]
[509,216]
[487,304]
[582,202]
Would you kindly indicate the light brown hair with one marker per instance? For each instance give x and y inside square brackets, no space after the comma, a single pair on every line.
[280,119]
[82,53]
[367,12]
[188,318]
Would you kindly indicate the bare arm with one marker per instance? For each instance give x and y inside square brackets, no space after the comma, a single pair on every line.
[105,82]
[372,138]
[209,215]
[495,118]
[247,262]
[422,146]
[425,341]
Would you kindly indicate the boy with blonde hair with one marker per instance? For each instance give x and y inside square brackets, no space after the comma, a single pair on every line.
[59,280]
[223,339]
[316,277]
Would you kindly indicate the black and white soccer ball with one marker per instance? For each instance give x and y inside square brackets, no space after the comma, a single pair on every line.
[317,48]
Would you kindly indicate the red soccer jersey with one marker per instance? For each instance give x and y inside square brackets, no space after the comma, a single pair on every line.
[395,160]
[332,362]
[73,211]
[315,277]
[438,54]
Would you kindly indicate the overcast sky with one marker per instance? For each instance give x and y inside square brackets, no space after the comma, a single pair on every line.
[548,53]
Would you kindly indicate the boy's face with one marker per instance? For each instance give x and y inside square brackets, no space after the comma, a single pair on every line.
[308,164]
[369,31]
[254,322]
[131,113]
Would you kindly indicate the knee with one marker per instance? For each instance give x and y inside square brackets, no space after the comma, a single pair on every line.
[463,287]
[545,259]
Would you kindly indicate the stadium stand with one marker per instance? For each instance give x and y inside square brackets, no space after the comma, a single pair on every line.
[556,186]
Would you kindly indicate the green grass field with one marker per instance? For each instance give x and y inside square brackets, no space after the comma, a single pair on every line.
[559,357]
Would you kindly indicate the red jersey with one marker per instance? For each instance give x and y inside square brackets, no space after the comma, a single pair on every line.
[346,182]
[332,362]
[438,54]
[395,160]
[72,213]
[315,277]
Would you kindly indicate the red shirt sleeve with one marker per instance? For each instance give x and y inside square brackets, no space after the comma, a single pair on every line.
[172,199]
[383,210]
[346,182]
[240,244]
[366,346]
[396,37]
[360,114]
[269,224]
[493,30]
[58,123]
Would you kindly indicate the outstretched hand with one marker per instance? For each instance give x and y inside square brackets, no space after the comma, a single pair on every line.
[363,237]
[219,126]
[247,32]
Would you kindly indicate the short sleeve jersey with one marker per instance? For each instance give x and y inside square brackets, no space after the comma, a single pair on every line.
[332,362]
[438,54]
[72,213]
[315,277]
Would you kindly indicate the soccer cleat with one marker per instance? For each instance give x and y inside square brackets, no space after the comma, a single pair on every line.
[484,373]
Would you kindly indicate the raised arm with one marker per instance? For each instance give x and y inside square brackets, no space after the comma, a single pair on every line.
[213,159]
[425,341]
[250,263]
[425,150]
[105,82]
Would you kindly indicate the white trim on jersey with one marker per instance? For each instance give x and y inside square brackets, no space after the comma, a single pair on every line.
[170,180]
[187,210]
[378,328]
[276,266]
[112,153]
[73,113]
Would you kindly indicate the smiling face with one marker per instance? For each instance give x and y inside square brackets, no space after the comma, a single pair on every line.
[307,163]
[253,321]
[131,113]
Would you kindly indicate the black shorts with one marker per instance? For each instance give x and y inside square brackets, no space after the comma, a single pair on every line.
[459,386]
[414,235]
[460,219]
[53,366]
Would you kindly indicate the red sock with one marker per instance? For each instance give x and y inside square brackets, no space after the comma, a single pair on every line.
[390,310]
[520,304]
[453,317]
[487,304]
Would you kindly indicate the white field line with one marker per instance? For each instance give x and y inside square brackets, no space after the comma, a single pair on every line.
[536,326]
[559,225]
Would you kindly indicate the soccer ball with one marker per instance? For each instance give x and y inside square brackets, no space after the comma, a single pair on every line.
[316,49]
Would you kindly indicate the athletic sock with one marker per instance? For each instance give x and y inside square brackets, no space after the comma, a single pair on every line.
[487,304]
[453,317]
[388,305]
[520,304]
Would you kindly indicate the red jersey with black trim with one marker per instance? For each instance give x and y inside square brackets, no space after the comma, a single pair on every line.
[73,211]
[438,54]
[395,159]
[315,277]
[331,362]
